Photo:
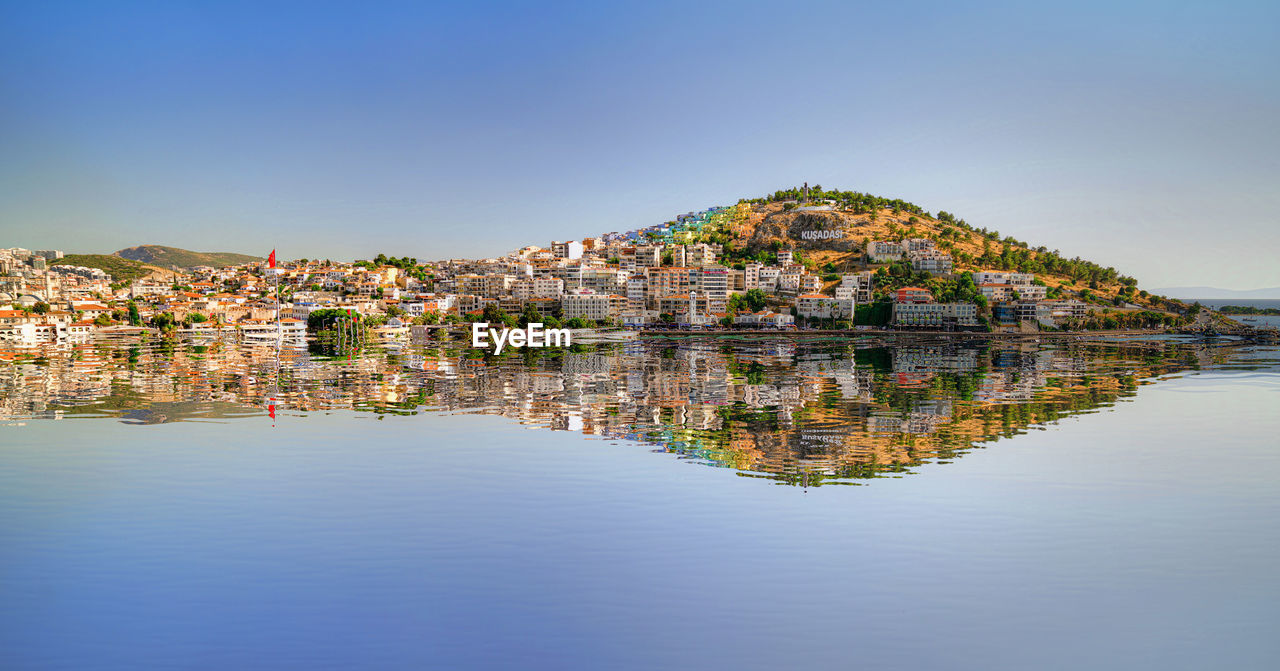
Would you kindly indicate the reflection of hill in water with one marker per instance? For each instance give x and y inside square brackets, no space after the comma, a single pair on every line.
[799,414]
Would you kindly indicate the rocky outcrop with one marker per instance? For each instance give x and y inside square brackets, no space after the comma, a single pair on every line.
[828,230]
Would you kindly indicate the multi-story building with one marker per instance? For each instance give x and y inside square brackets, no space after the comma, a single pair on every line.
[601,280]
[1003,277]
[470,284]
[764,319]
[591,305]
[819,306]
[498,285]
[938,315]
[1050,313]
[931,262]
[918,245]
[862,284]
[648,256]
[996,293]
[1034,292]
[713,283]
[881,251]
[147,288]
[571,249]
[667,281]
[913,295]
[637,287]
[1059,310]
[300,310]
[1007,292]
[547,287]
[769,278]
[691,303]
[700,254]
[789,281]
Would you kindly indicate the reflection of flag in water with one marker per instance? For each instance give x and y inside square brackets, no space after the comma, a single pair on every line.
[271,259]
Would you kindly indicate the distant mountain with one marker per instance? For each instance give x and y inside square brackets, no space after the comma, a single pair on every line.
[1209,293]
[120,269]
[166,257]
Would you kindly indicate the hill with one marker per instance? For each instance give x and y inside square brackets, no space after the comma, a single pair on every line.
[166,257]
[120,269]
[830,230]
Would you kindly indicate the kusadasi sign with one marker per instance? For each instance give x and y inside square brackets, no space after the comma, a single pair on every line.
[821,235]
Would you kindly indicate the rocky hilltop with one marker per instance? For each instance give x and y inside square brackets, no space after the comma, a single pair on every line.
[826,230]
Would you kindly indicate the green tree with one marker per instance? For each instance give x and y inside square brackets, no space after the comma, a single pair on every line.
[320,320]
[530,315]
[493,314]
[163,321]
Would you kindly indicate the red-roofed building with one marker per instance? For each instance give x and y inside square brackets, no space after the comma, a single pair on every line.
[913,295]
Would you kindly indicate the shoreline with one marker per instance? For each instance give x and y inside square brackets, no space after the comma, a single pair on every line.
[881,333]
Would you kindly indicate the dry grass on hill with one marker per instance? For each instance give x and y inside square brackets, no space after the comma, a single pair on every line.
[886,225]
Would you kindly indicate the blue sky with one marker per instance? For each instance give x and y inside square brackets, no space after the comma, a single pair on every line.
[1139,135]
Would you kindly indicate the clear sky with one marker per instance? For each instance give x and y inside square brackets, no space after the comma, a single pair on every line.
[1139,135]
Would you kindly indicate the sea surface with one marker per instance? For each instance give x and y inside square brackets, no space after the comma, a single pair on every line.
[1216,303]
[1257,321]
[695,503]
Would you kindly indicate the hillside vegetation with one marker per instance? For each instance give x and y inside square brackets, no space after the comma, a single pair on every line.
[166,257]
[120,269]
[761,226]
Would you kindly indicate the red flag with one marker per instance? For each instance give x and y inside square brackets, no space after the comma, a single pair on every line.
[271,260]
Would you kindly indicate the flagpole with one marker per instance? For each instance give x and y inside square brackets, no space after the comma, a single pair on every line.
[271,261]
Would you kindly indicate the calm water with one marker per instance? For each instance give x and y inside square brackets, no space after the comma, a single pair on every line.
[697,504]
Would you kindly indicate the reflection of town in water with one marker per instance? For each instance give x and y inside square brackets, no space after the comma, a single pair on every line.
[810,413]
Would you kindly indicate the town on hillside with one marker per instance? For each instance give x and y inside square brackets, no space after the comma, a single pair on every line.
[790,261]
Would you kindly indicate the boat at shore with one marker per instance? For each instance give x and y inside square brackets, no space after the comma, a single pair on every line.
[598,336]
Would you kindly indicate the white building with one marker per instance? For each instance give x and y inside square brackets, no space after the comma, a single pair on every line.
[881,251]
[1003,277]
[763,319]
[567,250]
[819,306]
[935,314]
[590,305]
[861,284]
[931,262]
